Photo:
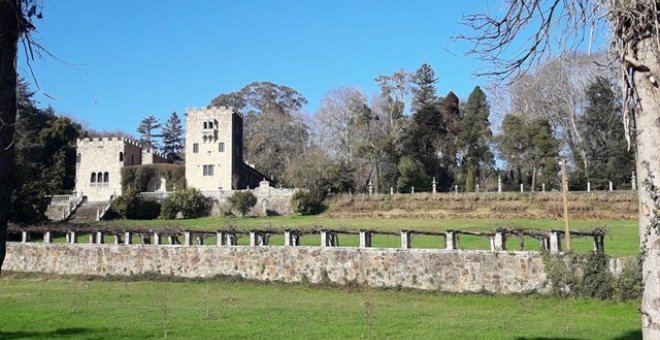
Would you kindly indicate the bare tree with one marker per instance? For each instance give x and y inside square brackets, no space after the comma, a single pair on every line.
[337,117]
[635,40]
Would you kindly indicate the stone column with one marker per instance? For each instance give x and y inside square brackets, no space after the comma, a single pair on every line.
[456,189]
[324,238]
[451,240]
[599,245]
[199,238]
[588,186]
[555,242]
[365,239]
[291,239]
[220,235]
[156,237]
[253,239]
[24,236]
[633,182]
[92,237]
[476,187]
[48,237]
[391,191]
[187,237]
[412,190]
[498,241]
[171,239]
[72,237]
[543,187]
[406,238]
[99,237]
[522,187]
[116,239]
[434,186]
[611,186]
[371,188]
[499,184]
[231,239]
[128,237]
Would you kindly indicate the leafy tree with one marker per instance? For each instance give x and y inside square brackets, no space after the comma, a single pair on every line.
[242,201]
[605,142]
[274,131]
[172,138]
[474,137]
[412,174]
[530,149]
[146,129]
[190,202]
[424,87]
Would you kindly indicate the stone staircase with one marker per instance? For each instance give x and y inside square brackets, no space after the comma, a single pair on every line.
[87,211]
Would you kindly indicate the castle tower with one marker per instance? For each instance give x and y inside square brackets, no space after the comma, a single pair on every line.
[98,165]
[214,148]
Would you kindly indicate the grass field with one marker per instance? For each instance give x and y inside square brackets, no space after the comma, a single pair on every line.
[143,310]
[622,238]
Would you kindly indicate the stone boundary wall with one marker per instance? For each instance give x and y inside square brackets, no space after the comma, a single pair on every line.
[456,271]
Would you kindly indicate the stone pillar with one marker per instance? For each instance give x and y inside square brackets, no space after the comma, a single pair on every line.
[48,237]
[599,245]
[371,188]
[199,239]
[611,186]
[412,190]
[187,237]
[451,240]
[24,236]
[92,237]
[128,237]
[291,239]
[365,239]
[391,191]
[231,239]
[554,242]
[456,189]
[156,237]
[171,239]
[499,184]
[253,239]
[329,239]
[220,241]
[116,239]
[434,186]
[99,237]
[72,237]
[476,187]
[324,238]
[522,188]
[498,241]
[588,186]
[145,238]
[633,182]
[406,237]
[543,187]
[350,192]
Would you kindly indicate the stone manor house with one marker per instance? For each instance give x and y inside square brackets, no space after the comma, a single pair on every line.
[213,157]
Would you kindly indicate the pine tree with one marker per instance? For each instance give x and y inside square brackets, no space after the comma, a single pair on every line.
[146,131]
[424,88]
[474,138]
[172,138]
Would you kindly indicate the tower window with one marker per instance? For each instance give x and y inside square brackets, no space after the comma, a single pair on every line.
[205,125]
[106,177]
[208,170]
[221,147]
[78,158]
[93,178]
[195,148]
[121,156]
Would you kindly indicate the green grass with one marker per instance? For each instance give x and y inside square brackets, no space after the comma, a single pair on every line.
[143,310]
[622,238]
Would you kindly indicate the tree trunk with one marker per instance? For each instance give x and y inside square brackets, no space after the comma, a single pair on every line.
[9,33]
[648,169]
[533,178]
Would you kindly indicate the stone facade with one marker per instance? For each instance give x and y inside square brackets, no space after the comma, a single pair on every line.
[429,269]
[214,151]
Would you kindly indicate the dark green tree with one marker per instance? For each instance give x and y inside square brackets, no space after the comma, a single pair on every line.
[424,139]
[423,88]
[450,105]
[604,136]
[147,130]
[172,138]
[474,138]
[530,150]
[412,174]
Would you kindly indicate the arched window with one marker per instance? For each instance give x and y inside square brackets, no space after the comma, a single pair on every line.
[78,157]
[205,125]
[93,178]
[99,177]
[121,156]
[204,137]
[106,177]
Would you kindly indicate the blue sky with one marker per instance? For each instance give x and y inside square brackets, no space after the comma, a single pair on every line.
[124,60]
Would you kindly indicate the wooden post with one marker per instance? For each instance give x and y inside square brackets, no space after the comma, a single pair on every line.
[564,191]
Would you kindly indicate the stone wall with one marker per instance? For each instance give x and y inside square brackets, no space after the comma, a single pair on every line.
[428,269]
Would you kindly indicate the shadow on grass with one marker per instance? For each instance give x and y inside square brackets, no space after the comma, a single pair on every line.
[58,333]
[630,335]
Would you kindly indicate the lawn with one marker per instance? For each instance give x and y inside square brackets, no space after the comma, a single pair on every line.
[142,310]
[622,238]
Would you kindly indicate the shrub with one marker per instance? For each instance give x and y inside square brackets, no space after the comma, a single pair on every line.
[303,202]
[138,177]
[189,202]
[242,201]
[629,285]
[129,205]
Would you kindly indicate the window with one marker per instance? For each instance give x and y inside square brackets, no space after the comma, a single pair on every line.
[93,178]
[99,177]
[221,147]
[106,177]
[121,156]
[132,160]
[205,125]
[195,148]
[208,170]
[78,157]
